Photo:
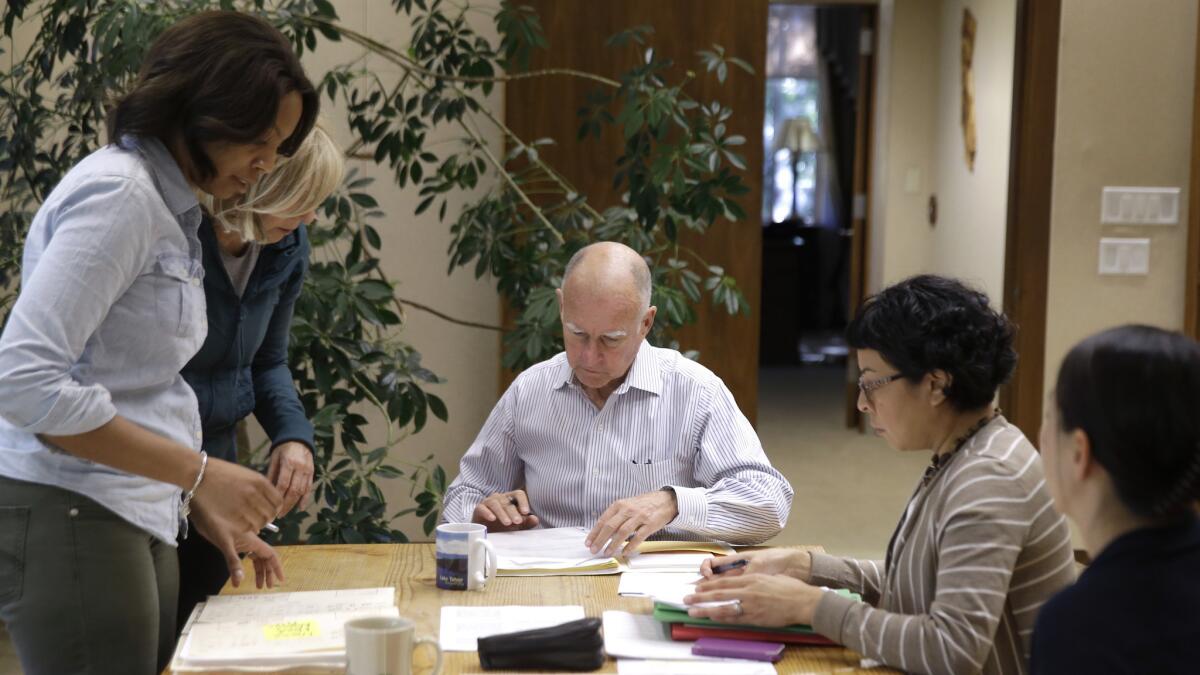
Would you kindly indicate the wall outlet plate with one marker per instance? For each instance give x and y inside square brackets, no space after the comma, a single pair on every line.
[1140,206]
[1124,256]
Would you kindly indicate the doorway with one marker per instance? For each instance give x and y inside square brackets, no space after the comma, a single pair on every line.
[816,141]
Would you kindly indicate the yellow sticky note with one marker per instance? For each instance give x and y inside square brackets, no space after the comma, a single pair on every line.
[292,630]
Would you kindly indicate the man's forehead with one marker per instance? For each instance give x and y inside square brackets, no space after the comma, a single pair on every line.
[595,329]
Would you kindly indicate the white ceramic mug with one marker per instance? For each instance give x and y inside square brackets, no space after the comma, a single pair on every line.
[383,645]
[465,558]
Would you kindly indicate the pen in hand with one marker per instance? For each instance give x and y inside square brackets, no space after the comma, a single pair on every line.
[721,569]
[729,567]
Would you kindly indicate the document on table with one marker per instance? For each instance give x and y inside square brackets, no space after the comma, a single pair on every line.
[556,550]
[463,626]
[276,630]
[641,636]
[665,588]
[664,562]
[660,667]
[646,584]
[562,551]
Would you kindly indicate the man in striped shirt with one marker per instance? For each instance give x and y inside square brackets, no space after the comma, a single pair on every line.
[627,439]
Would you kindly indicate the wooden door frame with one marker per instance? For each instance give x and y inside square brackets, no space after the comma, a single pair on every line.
[860,223]
[1030,186]
[1191,307]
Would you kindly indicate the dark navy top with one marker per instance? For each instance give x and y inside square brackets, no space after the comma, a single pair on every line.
[242,367]
[1136,609]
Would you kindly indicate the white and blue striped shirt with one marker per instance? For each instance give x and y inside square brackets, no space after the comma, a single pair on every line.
[672,423]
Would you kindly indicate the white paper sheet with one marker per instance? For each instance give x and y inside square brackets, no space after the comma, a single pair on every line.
[543,548]
[555,543]
[463,626]
[668,588]
[646,584]
[660,667]
[640,636]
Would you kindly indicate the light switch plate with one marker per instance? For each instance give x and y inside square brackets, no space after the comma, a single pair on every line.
[1124,256]
[1139,206]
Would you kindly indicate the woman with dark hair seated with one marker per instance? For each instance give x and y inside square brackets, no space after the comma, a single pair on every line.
[1121,445]
[978,549]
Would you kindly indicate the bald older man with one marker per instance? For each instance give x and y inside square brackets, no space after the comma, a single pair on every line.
[618,436]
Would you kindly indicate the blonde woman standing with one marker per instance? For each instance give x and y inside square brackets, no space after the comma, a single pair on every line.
[255,258]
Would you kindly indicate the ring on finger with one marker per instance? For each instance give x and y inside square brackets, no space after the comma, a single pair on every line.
[737,605]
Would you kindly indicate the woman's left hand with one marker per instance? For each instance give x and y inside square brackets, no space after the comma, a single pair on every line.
[770,600]
[268,568]
[291,470]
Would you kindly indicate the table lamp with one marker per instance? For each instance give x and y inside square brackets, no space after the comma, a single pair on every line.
[798,137]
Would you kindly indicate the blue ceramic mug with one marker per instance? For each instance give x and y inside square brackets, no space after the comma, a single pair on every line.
[465,558]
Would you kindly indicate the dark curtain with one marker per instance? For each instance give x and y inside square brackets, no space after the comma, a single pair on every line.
[838,43]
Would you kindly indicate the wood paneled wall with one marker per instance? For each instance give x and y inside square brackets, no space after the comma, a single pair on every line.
[546,106]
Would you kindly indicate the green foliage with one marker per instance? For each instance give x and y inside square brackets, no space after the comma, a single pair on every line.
[680,170]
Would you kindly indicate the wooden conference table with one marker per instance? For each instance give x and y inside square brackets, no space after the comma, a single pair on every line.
[410,569]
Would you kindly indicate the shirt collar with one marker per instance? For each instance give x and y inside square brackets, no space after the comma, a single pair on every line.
[644,374]
[169,178]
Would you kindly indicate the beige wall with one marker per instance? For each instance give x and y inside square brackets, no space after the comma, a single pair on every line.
[901,241]
[1125,83]
[968,241]
[919,143]
[415,255]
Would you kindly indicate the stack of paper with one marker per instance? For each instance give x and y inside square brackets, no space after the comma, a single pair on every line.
[670,610]
[277,630]
[548,552]
[561,551]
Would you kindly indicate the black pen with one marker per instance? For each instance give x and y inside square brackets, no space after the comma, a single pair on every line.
[729,567]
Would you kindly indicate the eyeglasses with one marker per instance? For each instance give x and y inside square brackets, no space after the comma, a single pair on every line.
[869,386]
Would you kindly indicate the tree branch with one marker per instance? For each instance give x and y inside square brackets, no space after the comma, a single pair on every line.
[445,317]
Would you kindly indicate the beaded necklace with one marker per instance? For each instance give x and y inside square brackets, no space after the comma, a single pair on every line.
[938,461]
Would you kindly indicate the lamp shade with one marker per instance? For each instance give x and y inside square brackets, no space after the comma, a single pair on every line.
[797,135]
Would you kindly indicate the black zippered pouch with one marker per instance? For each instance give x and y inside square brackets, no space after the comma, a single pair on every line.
[575,645]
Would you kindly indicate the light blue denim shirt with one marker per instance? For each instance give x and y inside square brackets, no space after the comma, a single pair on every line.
[110,310]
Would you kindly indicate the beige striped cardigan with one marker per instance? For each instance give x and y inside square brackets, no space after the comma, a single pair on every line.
[976,554]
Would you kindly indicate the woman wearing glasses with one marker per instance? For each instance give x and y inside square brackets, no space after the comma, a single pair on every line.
[979,547]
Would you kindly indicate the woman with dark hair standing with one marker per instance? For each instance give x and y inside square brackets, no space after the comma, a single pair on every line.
[1121,445]
[100,438]
[978,549]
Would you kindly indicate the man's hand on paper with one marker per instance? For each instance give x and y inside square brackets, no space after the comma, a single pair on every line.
[291,471]
[505,512]
[268,568]
[637,517]
[795,564]
[769,600]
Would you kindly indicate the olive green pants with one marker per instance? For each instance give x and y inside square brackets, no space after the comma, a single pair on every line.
[82,591]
